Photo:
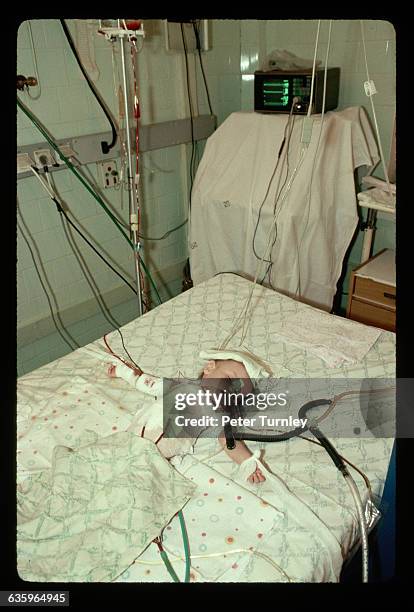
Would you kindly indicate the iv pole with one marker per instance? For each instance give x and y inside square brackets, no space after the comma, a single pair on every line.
[132,184]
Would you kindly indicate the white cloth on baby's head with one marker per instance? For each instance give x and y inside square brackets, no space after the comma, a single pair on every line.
[255,367]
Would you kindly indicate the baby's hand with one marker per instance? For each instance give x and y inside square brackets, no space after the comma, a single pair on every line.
[256,477]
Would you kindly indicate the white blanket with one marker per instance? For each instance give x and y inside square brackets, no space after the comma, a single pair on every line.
[334,339]
[98,507]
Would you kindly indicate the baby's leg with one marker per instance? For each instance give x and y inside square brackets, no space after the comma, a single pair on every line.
[239,454]
[112,370]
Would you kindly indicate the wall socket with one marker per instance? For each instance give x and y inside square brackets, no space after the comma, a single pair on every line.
[109,172]
[44,157]
[68,152]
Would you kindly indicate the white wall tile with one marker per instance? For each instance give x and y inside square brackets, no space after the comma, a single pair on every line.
[38,33]
[52,67]
[54,35]
[23,39]
[30,216]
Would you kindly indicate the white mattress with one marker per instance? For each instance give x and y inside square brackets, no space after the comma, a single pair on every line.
[73,394]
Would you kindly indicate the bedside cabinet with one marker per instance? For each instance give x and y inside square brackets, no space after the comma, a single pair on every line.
[372,289]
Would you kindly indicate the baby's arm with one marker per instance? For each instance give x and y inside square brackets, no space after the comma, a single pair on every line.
[228,369]
[151,385]
[239,454]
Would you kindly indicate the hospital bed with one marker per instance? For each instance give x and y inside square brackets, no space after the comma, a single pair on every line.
[236,531]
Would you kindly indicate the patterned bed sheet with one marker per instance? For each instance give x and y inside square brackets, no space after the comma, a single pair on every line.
[235,530]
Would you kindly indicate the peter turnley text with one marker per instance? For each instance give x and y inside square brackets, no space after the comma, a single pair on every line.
[260,420]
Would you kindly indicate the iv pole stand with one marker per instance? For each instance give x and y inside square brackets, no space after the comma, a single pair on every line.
[134,206]
[112,33]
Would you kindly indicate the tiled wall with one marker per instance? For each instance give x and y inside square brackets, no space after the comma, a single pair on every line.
[67,108]
[260,38]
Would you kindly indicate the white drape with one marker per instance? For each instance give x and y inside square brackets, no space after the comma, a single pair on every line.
[316,220]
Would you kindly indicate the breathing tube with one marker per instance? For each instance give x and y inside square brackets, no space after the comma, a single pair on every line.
[231,436]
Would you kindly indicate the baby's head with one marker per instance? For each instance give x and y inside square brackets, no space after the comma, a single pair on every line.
[226,369]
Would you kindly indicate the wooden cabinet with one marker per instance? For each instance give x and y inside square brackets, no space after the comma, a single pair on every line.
[372,292]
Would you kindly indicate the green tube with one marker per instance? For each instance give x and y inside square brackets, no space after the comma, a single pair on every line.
[73,169]
[88,187]
[150,279]
[169,566]
[186,547]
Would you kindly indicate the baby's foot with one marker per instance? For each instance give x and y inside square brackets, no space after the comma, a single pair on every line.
[112,370]
[257,476]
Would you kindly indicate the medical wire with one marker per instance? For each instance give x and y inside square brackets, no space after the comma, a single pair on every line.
[373,111]
[362,524]
[243,314]
[120,358]
[89,278]
[360,472]
[104,309]
[29,27]
[71,167]
[93,89]
[269,268]
[118,96]
[273,224]
[164,236]
[282,146]
[191,112]
[220,554]
[55,199]
[52,313]
[298,290]
[158,541]
[81,262]
[88,187]
[198,44]
[313,70]
[337,398]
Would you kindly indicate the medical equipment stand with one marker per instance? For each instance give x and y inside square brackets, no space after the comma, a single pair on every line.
[113,33]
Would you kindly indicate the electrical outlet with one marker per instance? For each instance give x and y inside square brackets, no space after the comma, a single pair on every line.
[44,157]
[109,171]
[24,163]
[68,152]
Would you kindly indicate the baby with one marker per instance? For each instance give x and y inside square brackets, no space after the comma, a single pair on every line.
[215,371]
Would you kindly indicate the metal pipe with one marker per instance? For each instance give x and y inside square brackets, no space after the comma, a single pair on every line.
[369,228]
[133,204]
